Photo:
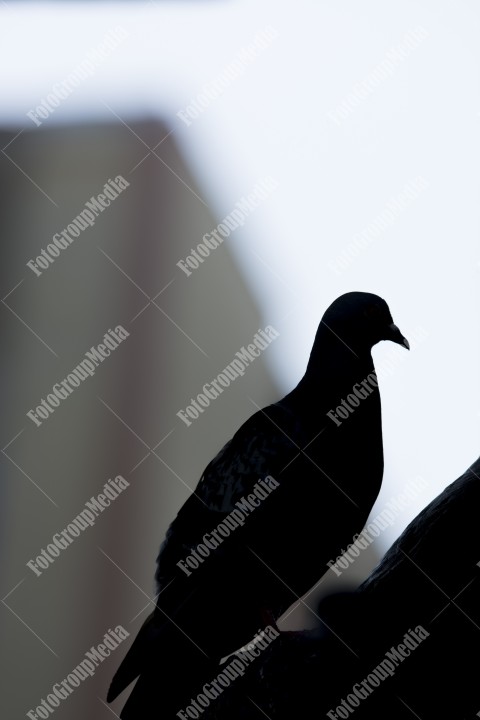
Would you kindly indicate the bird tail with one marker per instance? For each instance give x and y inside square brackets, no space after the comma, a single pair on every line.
[169,666]
[135,659]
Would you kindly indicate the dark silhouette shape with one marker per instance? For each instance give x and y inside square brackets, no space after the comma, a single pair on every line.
[430,579]
[322,445]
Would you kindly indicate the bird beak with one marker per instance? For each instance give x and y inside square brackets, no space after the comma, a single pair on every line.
[394,334]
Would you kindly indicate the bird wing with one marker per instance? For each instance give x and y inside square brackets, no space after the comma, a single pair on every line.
[262,446]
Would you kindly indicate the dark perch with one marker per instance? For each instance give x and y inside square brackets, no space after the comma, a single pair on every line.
[428,578]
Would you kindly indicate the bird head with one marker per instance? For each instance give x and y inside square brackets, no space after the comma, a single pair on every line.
[361,320]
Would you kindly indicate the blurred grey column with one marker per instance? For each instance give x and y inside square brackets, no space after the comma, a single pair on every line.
[122,421]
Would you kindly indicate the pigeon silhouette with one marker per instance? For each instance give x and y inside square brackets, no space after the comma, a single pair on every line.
[277,503]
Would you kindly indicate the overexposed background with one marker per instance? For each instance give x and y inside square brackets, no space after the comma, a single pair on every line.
[337,173]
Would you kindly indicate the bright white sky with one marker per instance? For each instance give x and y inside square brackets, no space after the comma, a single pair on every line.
[334,179]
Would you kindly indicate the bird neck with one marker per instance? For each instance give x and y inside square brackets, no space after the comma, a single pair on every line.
[335,365]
